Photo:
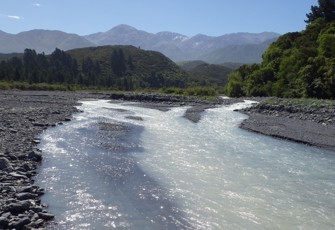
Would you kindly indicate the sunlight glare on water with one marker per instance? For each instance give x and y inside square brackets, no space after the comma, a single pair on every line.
[212,174]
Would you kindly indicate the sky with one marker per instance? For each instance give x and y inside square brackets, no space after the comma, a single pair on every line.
[187,17]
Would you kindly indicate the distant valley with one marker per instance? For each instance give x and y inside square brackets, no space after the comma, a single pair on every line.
[237,47]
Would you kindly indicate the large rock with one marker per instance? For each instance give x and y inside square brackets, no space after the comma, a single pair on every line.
[5,164]
[17,224]
[19,206]
[35,156]
[46,216]
[25,196]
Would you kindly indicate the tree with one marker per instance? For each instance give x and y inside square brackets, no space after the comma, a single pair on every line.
[325,10]
[118,62]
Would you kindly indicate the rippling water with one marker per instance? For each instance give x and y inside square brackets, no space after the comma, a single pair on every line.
[165,172]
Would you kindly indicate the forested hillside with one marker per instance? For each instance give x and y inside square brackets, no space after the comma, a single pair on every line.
[300,64]
[114,67]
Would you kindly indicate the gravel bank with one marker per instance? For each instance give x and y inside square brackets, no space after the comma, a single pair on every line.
[166,102]
[23,116]
[311,122]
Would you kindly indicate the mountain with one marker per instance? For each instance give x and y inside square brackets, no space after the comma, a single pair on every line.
[41,41]
[246,53]
[10,43]
[179,47]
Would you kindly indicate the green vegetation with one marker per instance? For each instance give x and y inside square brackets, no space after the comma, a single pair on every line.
[36,86]
[210,75]
[123,68]
[198,91]
[300,64]
[109,67]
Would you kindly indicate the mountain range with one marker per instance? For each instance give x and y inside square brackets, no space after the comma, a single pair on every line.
[236,47]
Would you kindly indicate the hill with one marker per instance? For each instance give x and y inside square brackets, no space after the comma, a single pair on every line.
[144,68]
[300,64]
[210,75]
[117,67]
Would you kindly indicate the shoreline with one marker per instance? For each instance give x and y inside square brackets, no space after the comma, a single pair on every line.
[25,114]
[312,124]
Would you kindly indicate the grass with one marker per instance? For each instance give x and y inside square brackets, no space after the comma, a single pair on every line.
[196,91]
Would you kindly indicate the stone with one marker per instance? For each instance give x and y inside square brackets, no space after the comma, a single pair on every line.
[25,196]
[35,156]
[18,176]
[5,164]
[38,124]
[39,222]
[3,221]
[36,141]
[46,216]
[19,206]
[19,223]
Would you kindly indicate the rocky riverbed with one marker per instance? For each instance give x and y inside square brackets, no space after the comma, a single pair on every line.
[26,114]
[23,116]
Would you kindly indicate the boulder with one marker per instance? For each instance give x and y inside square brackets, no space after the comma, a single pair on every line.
[17,224]
[5,164]
[25,196]
[35,156]
[3,222]
[19,206]
[46,216]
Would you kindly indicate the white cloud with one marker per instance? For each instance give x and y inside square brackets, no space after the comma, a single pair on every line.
[37,4]
[14,17]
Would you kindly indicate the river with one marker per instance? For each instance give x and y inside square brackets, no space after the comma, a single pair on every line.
[157,170]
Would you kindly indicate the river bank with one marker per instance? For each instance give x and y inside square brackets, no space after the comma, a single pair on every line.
[24,115]
[306,121]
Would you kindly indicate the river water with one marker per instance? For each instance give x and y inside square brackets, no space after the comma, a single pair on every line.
[165,172]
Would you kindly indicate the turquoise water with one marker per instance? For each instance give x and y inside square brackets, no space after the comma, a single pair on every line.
[165,172]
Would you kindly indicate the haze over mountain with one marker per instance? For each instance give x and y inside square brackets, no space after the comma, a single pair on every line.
[41,41]
[180,47]
[176,46]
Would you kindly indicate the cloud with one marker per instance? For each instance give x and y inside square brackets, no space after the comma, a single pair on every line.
[37,4]
[14,17]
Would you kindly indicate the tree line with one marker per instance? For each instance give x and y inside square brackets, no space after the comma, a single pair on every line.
[298,64]
[61,68]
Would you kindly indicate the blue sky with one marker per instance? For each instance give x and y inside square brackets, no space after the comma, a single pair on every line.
[188,17]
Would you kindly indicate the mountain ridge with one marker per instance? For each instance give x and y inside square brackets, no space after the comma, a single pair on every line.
[176,46]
